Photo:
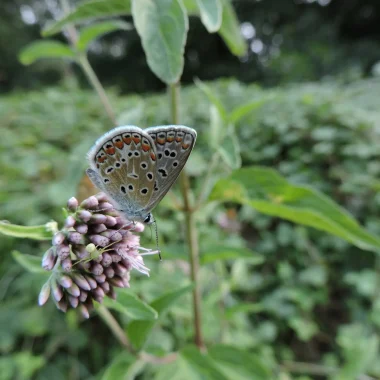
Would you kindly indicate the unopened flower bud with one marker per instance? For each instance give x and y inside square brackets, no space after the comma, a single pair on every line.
[98,228]
[111,293]
[99,240]
[65,281]
[56,290]
[115,257]
[116,281]
[74,290]
[100,278]
[84,215]
[105,286]
[107,260]
[91,281]
[120,269]
[83,295]
[109,272]
[105,206]
[58,238]
[96,269]
[81,281]
[62,305]
[98,219]
[72,204]
[75,237]
[67,264]
[139,227]
[90,202]
[63,251]
[44,294]
[84,311]
[49,259]
[101,197]
[111,221]
[70,221]
[81,228]
[74,301]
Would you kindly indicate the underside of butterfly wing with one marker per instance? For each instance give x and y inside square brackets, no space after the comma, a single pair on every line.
[174,144]
[123,162]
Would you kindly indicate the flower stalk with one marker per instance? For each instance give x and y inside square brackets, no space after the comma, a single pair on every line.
[190,228]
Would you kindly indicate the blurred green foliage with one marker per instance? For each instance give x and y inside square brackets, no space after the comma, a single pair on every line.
[277,298]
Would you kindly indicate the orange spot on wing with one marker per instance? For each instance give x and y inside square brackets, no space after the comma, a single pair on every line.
[136,139]
[119,144]
[170,139]
[153,156]
[161,141]
[110,150]
[145,147]
[102,159]
[127,140]
[178,139]
[185,146]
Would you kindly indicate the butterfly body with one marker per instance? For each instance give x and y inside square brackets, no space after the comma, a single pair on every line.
[137,167]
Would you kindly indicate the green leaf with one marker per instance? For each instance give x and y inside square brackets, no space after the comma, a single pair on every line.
[222,252]
[201,364]
[211,14]
[162,26]
[128,304]
[230,30]
[239,112]
[244,308]
[30,263]
[229,149]
[266,191]
[29,232]
[138,331]
[94,31]
[45,49]
[121,367]
[212,98]
[238,364]
[90,10]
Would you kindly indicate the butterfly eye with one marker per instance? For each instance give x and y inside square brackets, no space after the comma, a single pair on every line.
[148,219]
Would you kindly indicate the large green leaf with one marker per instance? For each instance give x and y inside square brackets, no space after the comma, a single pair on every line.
[162,26]
[230,30]
[211,14]
[266,191]
[128,304]
[90,10]
[190,364]
[122,367]
[229,149]
[45,49]
[30,263]
[138,331]
[238,364]
[94,31]
[29,232]
[223,252]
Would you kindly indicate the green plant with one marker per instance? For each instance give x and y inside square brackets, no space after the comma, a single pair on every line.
[231,295]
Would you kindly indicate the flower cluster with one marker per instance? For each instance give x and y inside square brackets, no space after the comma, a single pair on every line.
[91,255]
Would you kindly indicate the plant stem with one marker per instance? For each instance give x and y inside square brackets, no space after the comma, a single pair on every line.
[114,326]
[190,228]
[93,79]
[86,67]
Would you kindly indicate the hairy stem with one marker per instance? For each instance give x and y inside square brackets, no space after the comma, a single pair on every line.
[114,326]
[190,228]
[86,67]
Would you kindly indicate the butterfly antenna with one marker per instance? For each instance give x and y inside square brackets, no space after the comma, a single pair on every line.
[155,227]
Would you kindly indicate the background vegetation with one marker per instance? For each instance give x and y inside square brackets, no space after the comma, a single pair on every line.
[279,299]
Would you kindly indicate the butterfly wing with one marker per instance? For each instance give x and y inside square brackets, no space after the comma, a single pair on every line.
[123,164]
[174,144]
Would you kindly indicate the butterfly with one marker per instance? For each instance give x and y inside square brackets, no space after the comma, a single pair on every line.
[136,167]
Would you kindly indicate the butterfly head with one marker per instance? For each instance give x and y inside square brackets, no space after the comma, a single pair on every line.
[149,219]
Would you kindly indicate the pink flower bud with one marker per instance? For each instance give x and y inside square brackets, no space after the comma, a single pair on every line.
[70,221]
[100,278]
[56,290]
[99,240]
[72,204]
[74,290]
[96,269]
[84,311]
[109,272]
[98,228]
[74,301]
[84,215]
[81,228]
[67,264]
[49,259]
[58,238]
[111,221]
[63,251]
[44,294]
[75,237]
[83,295]
[107,260]
[92,282]
[90,202]
[81,281]
[98,219]
[65,281]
